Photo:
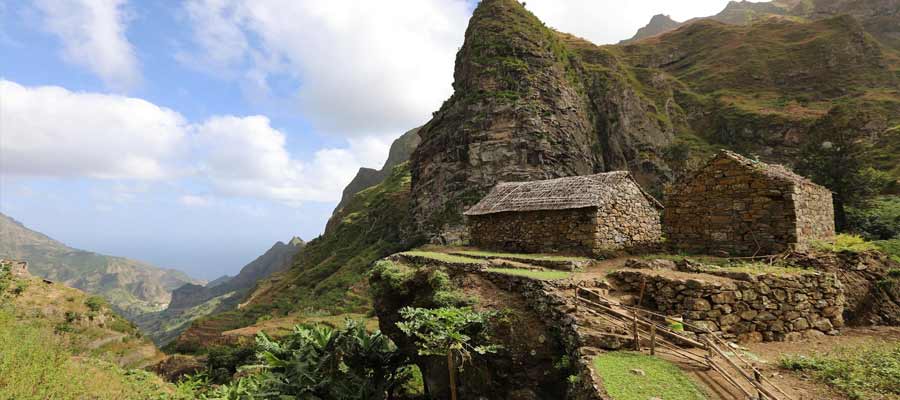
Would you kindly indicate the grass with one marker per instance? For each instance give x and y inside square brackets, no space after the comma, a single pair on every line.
[444,257]
[863,372]
[36,364]
[846,243]
[533,274]
[762,269]
[889,247]
[661,379]
[516,256]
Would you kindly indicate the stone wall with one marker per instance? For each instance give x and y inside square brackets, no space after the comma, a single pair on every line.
[545,299]
[568,231]
[629,221]
[730,207]
[814,209]
[770,307]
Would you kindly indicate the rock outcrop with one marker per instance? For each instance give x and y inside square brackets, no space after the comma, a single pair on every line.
[660,23]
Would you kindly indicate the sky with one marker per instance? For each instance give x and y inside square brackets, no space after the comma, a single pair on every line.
[195,134]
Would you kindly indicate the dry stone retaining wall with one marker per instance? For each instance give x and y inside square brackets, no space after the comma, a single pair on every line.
[761,308]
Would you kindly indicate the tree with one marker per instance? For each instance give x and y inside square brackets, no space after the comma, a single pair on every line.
[837,160]
[451,332]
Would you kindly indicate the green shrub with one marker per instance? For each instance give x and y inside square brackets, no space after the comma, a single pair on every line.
[223,361]
[94,303]
[890,247]
[862,372]
[846,243]
[878,220]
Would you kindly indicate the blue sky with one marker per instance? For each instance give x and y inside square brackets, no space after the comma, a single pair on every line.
[195,134]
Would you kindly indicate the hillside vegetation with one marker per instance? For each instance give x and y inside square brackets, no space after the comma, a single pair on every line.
[60,343]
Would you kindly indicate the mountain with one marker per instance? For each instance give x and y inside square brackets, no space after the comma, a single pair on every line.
[399,153]
[880,18]
[658,24]
[328,274]
[131,287]
[60,342]
[533,103]
[192,301]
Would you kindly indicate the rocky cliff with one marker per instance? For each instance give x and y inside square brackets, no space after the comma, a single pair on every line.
[400,151]
[532,103]
[660,23]
[526,107]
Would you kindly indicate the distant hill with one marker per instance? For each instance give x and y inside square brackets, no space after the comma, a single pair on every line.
[59,342]
[131,287]
[192,301]
[658,24]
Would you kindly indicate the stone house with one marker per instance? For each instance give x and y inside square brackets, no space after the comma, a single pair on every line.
[743,207]
[584,215]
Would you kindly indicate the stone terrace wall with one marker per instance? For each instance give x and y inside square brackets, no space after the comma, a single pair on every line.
[627,222]
[815,214]
[760,308]
[729,208]
[568,231]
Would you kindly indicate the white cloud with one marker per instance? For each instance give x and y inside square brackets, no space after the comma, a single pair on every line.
[92,33]
[247,157]
[194,200]
[605,22]
[50,131]
[359,67]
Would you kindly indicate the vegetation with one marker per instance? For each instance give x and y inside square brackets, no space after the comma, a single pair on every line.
[890,247]
[317,362]
[36,364]
[451,332]
[759,268]
[869,372]
[879,220]
[846,242]
[659,378]
[443,257]
[543,275]
[519,256]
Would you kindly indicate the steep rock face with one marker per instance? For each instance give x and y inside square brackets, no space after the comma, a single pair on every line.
[524,108]
[658,24]
[401,150]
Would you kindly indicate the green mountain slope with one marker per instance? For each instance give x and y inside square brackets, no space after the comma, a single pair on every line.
[59,342]
[328,274]
[131,287]
[191,301]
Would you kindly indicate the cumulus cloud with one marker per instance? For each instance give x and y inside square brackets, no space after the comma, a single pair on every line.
[92,33]
[359,67]
[50,131]
[603,22]
[247,157]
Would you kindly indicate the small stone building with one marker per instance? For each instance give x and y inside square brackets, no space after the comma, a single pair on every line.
[578,215]
[743,207]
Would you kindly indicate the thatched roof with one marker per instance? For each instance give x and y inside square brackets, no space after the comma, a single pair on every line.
[557,194]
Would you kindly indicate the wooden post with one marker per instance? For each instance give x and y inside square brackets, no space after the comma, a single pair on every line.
[576,299]
[637,338]
[652,339]
[452,369]
[758,377]
[643,286]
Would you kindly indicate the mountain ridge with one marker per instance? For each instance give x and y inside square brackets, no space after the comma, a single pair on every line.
[132,287]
